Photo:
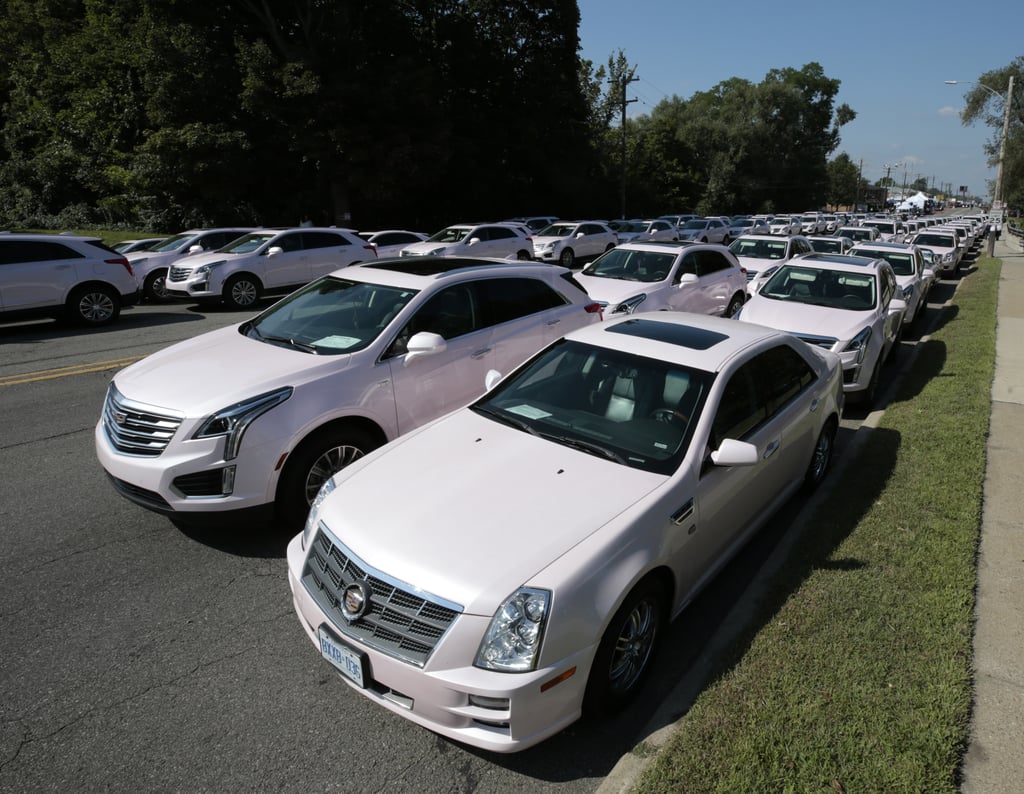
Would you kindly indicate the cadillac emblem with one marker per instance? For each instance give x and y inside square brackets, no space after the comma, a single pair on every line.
[355,600]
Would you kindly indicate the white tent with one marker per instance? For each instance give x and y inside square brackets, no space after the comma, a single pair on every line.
[914,202]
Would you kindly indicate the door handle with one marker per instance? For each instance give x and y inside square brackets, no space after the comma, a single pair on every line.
[556,321]
[480,353]
[683,513]
[770,449]
[815,403]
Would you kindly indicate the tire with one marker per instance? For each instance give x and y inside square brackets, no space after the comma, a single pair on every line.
[320,455]
[94,305]
[155,287]
[734,305]
[868,396]
[726,240]
[242,291]
[703,239]
[609,247]
[523,256]
[624,655]
[567,258]
[821,457]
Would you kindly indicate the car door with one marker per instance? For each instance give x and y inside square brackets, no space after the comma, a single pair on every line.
[36,273]
[326,252]
[286,267]
[428,386]
[770,402]
[688,295]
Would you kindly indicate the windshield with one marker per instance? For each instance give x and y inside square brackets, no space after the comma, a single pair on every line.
[452,234]
[939,240]
[695,225]
[629,265]
[627,409]
[248,243]
[759,249]
[883,227]
[174,243]
[330,316]
[902,261]
[830,245]
[557,230]
[835,289]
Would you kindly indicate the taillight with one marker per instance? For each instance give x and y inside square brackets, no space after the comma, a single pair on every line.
[121,261]
[594,308]
[372,249]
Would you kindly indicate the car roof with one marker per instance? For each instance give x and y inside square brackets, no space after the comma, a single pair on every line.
[839,261]
[700,341]
[418,271]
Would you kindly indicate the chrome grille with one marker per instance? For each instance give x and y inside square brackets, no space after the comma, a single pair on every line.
[135,429]
[827,342]
[179,273]
[404,624]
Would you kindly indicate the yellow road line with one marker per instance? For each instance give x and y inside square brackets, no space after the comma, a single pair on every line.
[65,372]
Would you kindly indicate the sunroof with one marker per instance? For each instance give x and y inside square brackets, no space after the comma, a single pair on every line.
[673,334]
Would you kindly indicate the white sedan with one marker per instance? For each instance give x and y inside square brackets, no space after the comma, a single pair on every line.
[512,566]
[850,305]
[644,277]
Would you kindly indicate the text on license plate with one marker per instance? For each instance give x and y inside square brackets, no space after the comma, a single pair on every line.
[341,656]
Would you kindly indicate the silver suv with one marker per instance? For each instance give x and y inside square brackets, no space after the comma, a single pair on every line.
[151,266]
[63,275]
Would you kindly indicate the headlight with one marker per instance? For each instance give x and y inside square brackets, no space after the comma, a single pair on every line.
[314,510]
[629,305]
[859,343]
[208,267]
[233,421]
[512,641]
[908,293]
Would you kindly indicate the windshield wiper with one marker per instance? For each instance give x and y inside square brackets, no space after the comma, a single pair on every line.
[283,340]
[506,419]
[587,446]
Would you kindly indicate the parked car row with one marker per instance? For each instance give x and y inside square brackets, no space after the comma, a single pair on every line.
[603,428]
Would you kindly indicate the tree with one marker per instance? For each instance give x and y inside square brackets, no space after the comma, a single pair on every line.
[843,182]
[985,102]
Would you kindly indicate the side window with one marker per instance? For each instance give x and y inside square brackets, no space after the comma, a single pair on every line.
[688,265]
[504,299]
[710,262]
[499,233]
[16,251]
[288,242]
[450,313]
[322,240]
[782,373]
[741,409]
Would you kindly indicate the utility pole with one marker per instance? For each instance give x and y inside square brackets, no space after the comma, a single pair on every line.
[626,80]
[860,178]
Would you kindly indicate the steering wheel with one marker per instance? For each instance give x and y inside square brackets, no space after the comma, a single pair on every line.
[669,415]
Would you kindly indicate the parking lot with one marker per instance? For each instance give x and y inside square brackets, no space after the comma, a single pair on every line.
[142,654]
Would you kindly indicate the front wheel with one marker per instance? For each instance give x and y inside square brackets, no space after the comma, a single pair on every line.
[567,258]
[155,287]
[734,305]
[242,291]
[821,457]
[314,461]
[94,305]
[623,658]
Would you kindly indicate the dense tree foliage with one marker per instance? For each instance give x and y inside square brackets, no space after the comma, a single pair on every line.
[162,114]
[986,102]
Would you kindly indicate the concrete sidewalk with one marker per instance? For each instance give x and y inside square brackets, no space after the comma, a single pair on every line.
[995,756]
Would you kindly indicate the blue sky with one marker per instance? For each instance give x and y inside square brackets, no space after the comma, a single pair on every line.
[891,59]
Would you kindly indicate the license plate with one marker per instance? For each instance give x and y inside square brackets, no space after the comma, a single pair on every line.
[351,663]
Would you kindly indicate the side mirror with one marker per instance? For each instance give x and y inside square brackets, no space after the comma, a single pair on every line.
[491,379]
[194,249]
[928,274]
[274,250]
[473,241]
[688,278]
[735,453]
[897,305]
[579,235]
[425,343]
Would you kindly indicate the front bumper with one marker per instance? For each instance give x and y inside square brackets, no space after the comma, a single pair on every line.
[437,695]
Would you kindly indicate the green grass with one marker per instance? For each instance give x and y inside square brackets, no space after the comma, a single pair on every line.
[856,673]
[110,237]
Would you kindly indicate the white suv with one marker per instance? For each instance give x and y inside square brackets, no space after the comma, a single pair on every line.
[266,262]
[63,275]
[496,240]
[569,242]
[262,413]
[151,265]
[642,277]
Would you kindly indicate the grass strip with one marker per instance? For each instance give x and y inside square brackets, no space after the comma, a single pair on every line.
[856,673]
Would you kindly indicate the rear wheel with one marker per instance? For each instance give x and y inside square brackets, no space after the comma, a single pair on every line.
[523,256]
[94,305]
[734,305]
[623,658]
[242,291]
[821,457]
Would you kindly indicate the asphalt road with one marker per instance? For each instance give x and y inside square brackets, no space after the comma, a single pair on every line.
[138,655]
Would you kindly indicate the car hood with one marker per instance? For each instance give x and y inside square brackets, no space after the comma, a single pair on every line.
[548,239]
[425,248]
[803,318]
[219,368]
[469,510]
[756,265]
[614,290]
